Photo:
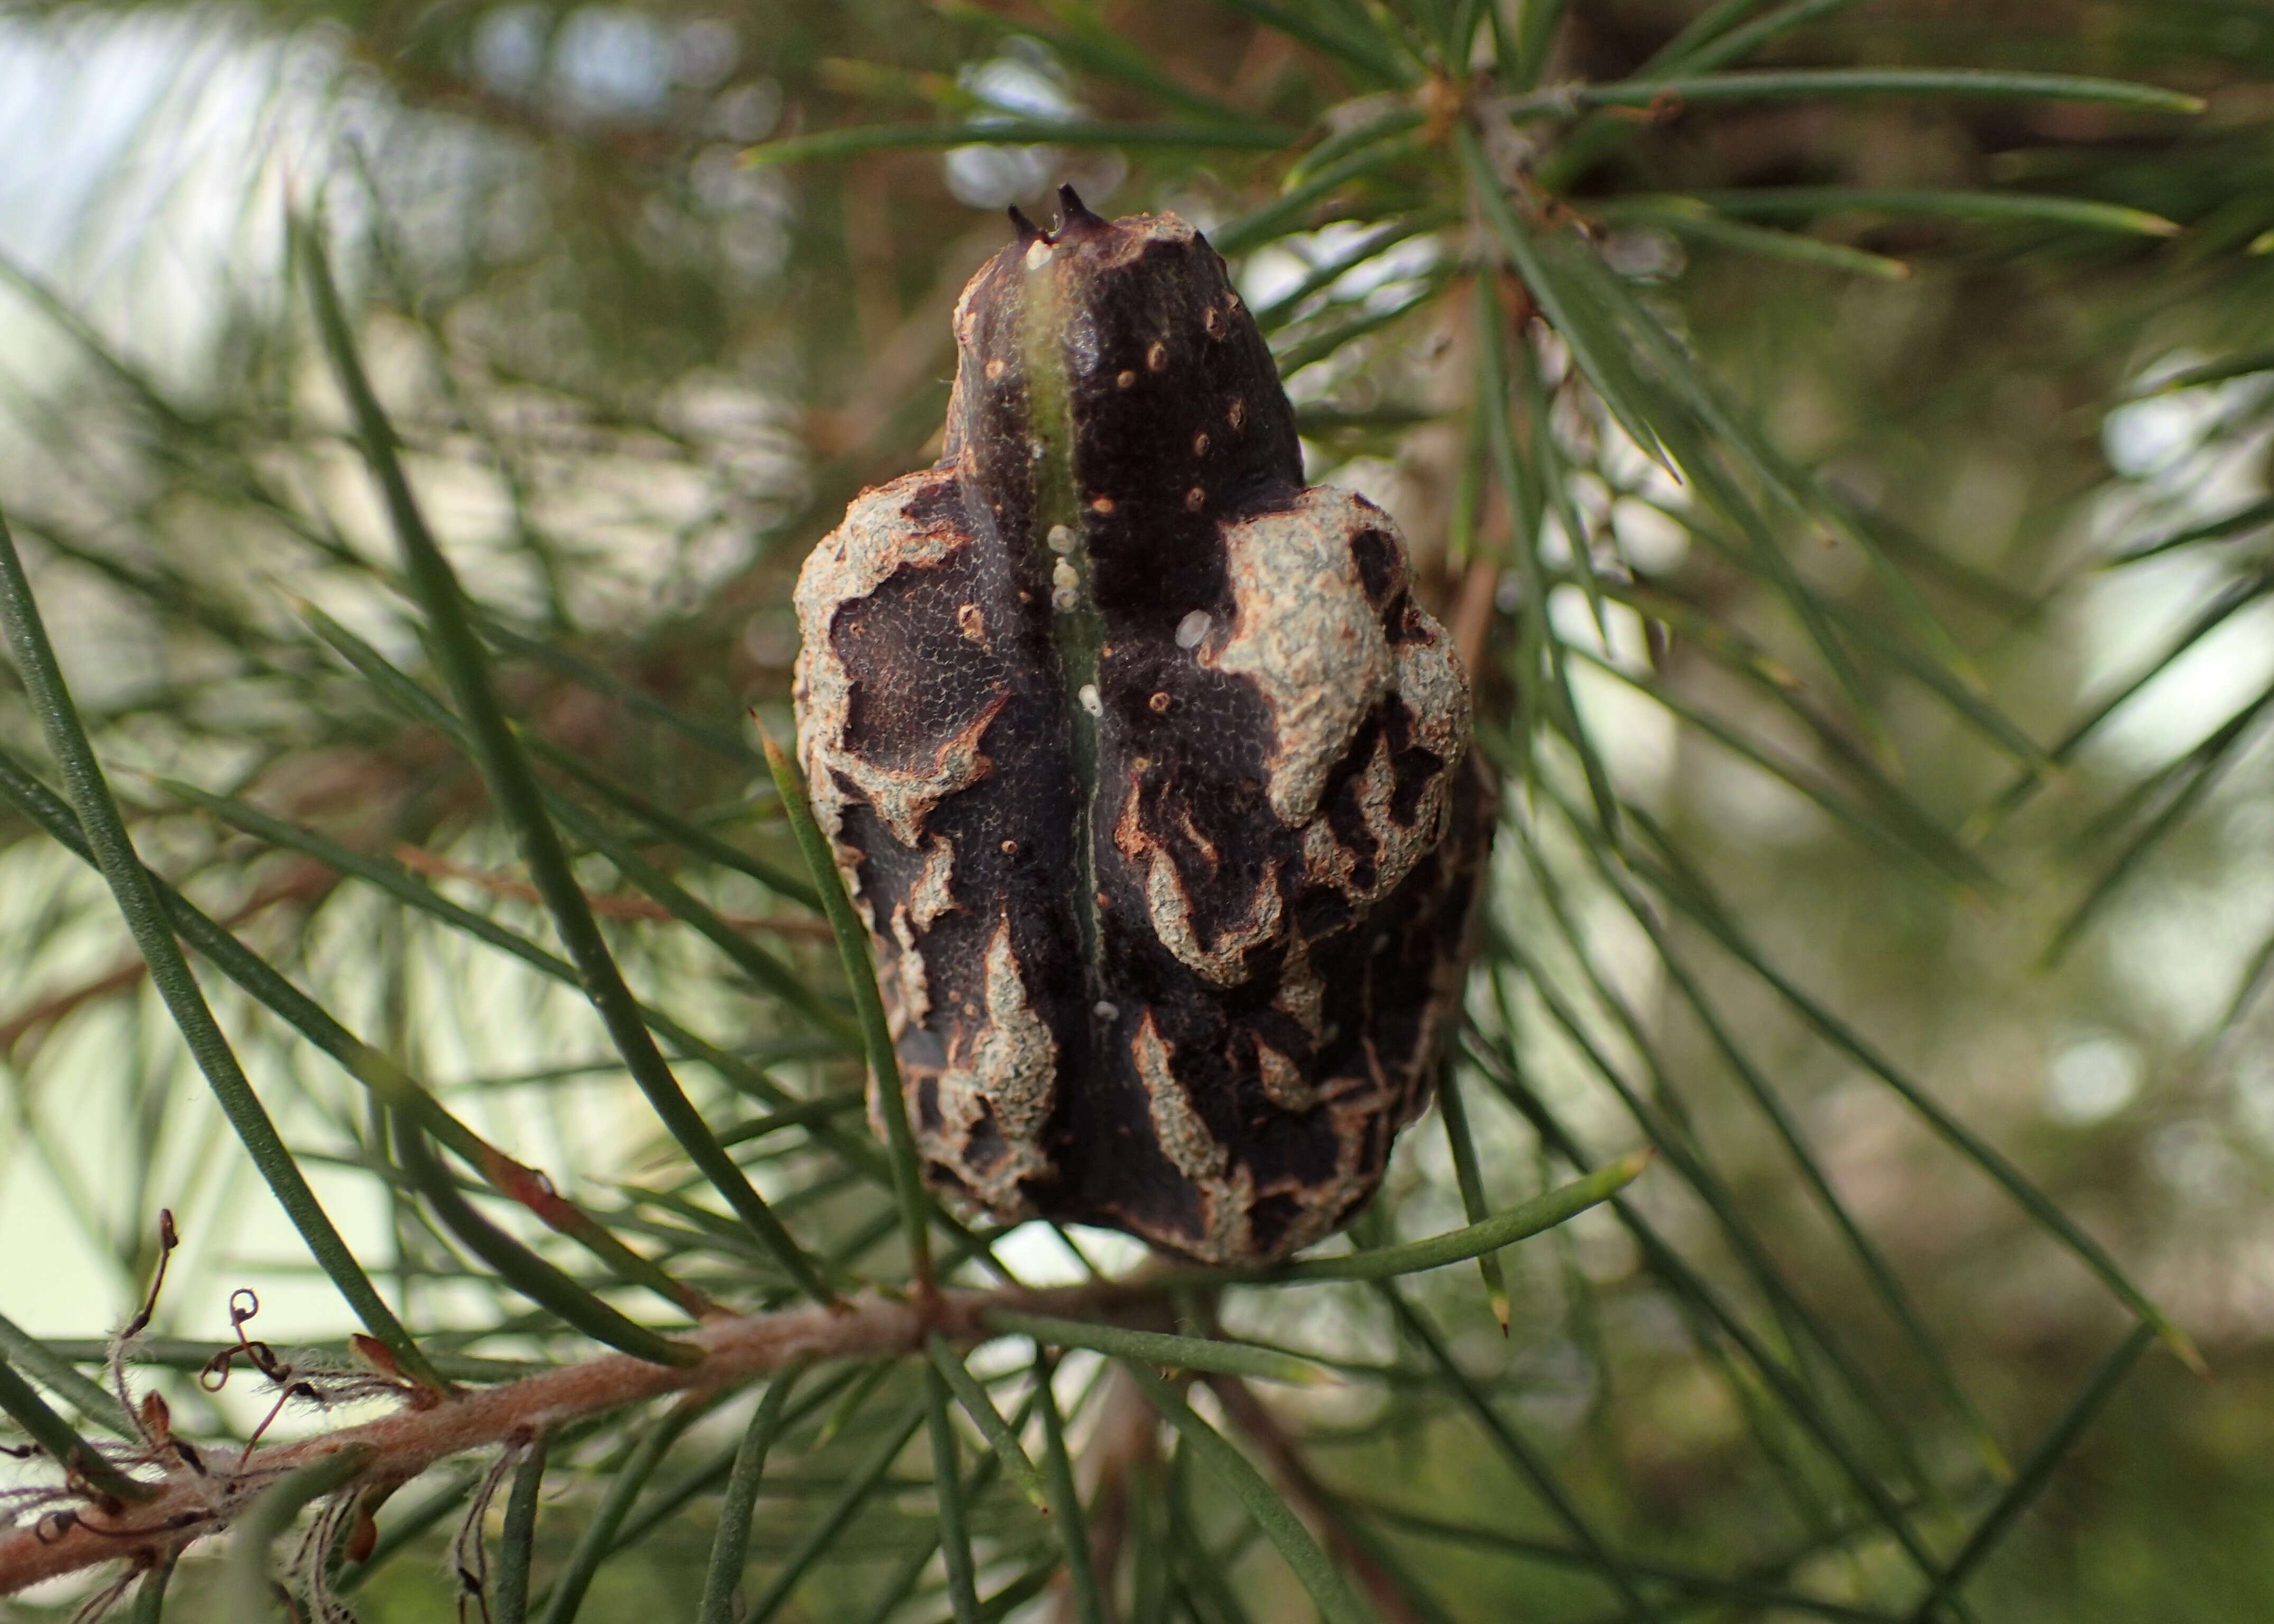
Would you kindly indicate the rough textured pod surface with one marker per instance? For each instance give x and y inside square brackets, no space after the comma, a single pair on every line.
[1143,766]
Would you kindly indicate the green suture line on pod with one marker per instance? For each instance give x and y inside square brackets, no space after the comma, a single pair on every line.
[1077,629]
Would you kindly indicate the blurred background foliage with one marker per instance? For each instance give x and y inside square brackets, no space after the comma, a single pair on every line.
[1942,696]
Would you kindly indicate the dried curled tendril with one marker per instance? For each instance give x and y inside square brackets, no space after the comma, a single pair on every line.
[152,1419]
[243,1304]
[348,1515]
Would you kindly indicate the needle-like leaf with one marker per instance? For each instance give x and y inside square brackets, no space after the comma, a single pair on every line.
[397,882]
[517,1540]
[730,1545]
[246,1582]
[523,1269]
[1469,1175]
[947,1494]
[1684,895]
[1542,1211]
[520,801]
[828,146]
[137,896]
[1787,202]
[971,1393]
[57,1373]
[21,1403]
[2037,1470]
[1691,1581]
[1279,1523]
[388,1082]
[1800,84]
[1361,47]
[1197,1353]
[1688,218]
[1066,1499]
[875,1033]
[150,1595]
[858,1485]
[762,967]
[595,1543]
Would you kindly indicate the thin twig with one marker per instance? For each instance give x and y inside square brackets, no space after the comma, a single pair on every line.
[1125,1436]
[302,883]
[1247,1413]
[1472,611]
[189,1507]
[420,860]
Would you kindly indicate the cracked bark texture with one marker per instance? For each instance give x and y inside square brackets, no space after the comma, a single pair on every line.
[1146,771]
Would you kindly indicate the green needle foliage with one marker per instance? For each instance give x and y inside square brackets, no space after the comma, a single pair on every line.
[1835,436]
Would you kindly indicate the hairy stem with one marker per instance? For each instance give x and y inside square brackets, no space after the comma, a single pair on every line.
[187,1506]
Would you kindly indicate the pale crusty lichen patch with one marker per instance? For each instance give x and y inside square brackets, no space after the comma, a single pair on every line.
[1226,1191]
[1435,691]
[1283,1080]
[877,540]
[930,895]
[1327,858]
[1324,1203]
[1302,989]
[909,977]
[1009,1069]
[1304,633]
[1222,961]
[1183,1137]
[904,797]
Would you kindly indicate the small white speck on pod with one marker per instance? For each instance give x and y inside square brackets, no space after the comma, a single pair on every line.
[1104,1010]
[1061,538]
[1062,599]
[1191,628]
[1038,255]
[1037,451]
[1062,575]
[1090,701]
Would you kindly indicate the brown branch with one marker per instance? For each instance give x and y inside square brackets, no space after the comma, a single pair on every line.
[423,861]
[1123,1441]
[303,882]
[1261,1428]
[1472,611]
[129,972]
[192,1505]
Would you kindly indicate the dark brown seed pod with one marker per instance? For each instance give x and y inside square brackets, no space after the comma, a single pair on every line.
[1143,767]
